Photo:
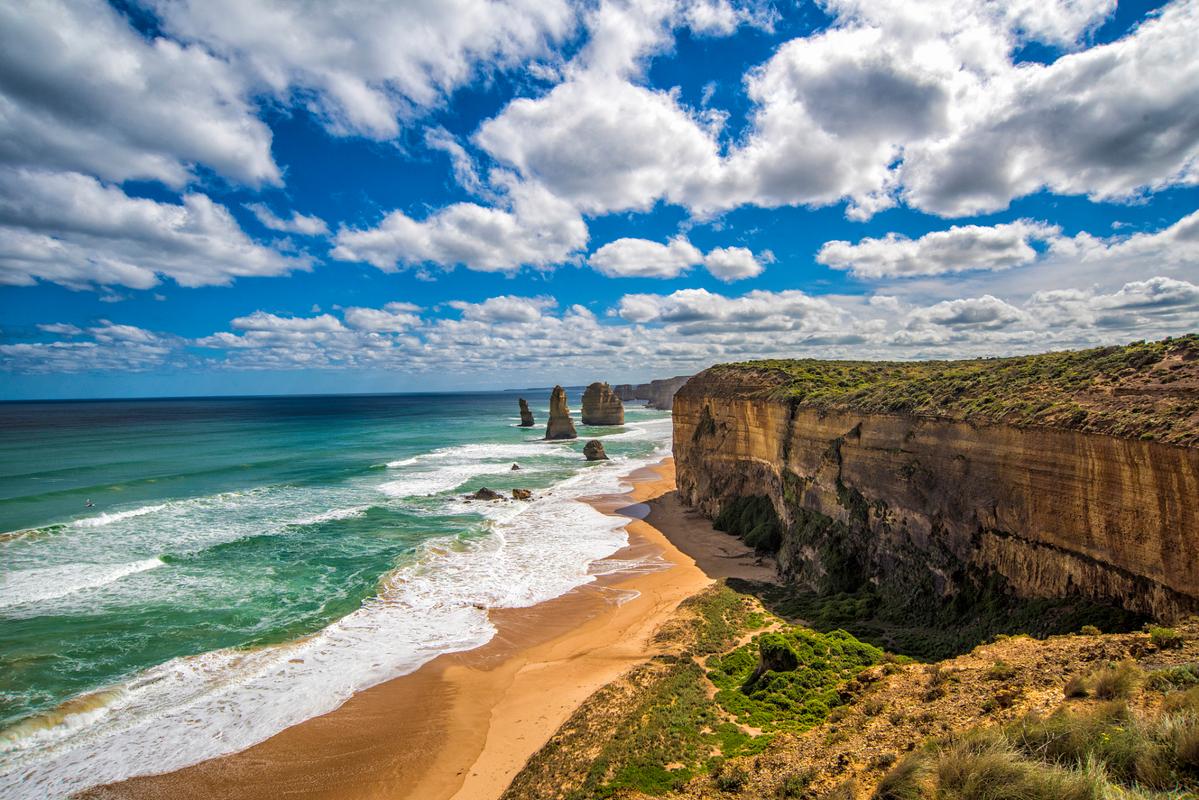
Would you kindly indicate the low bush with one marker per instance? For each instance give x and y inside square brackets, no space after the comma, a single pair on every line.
[1116,681]
[1165,638]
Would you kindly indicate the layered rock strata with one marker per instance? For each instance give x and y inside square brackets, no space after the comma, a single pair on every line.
[921,506]
[560,425]
[657,394]
[601,406]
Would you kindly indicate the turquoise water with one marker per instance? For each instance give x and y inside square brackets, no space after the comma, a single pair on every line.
[248,563]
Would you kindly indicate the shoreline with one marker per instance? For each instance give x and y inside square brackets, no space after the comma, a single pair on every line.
[462,725]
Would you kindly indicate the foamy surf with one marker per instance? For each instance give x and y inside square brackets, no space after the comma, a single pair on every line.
[31,586]
[103,519]
[190,709]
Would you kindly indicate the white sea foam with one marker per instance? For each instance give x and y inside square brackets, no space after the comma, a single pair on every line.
[195,708]
[103,519]
[39,585]
[331,515]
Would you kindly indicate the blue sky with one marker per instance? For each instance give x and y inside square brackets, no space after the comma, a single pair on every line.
[224,197]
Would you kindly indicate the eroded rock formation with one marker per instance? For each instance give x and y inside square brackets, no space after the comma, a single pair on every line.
[594,451]
[601,406]
[657,394]
[526,416]
[560,425]
[921,505]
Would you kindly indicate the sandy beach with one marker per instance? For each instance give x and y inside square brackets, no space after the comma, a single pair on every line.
[464,724]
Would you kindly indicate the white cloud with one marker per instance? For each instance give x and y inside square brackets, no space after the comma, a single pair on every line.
[642,258]
[697,311]
[505,308]
[298,223]
[71,229]
[391,318]
[537,230]
[109,347]
[959,249]
[733,263]
[367,67]
[82,91]
[979,313]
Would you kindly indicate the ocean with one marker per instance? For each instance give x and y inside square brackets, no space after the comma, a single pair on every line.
[248,563]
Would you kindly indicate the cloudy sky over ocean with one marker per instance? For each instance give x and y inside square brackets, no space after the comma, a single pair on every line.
[222,197]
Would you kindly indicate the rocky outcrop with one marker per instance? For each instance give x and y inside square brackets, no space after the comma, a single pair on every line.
[560,425]
[601,406]
[526,416]
[522,494]
[485,494]
[594,451]
[922,507]
[657,394]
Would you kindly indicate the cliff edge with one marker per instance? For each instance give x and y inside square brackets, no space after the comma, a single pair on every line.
[1065,474]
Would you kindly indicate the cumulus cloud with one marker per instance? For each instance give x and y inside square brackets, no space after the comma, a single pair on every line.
[959,249]
[366,67]
[505,308]
[80,90]
[298,223]
[71,229]
[108,347]
[643,258]
[537,229]
[979,313]
[392,317]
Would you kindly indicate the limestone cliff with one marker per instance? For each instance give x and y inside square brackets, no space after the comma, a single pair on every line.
[526,416]
[560,425]
[1062,475]
[657,394]
[601,406]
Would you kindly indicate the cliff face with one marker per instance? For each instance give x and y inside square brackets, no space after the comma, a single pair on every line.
[657,394]
[601,406]
[922,507]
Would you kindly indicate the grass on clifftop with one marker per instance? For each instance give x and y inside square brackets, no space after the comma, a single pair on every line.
[1143,390]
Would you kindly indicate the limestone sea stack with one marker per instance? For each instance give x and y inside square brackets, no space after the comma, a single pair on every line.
[594,451]
[526,416]
[560,426]
[602,406]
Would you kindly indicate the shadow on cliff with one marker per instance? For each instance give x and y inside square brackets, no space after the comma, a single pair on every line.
[974,616]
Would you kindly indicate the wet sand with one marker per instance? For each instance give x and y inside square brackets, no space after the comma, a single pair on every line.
[464,724]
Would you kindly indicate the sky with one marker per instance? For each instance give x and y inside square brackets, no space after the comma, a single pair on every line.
[227,197]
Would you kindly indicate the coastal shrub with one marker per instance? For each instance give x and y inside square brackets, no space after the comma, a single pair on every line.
[1165,638]
[754,520]
[795,784]
[1176,677]
[1001,671]
[1116,681]
[908,780]
[1089,630]
[730,778]
[1077,686]
[788,680]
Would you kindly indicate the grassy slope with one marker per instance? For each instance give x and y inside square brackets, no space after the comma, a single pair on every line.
[1144,390]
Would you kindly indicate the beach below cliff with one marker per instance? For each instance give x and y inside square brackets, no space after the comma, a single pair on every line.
[464,724]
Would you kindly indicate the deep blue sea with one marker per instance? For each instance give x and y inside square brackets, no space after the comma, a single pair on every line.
[247,563]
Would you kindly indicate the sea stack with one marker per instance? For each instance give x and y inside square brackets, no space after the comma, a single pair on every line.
[602,406]
[560,426]
[594,451]
[526,416]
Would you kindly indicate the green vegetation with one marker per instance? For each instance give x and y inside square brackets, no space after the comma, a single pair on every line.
[982,610]
[1105,751]
[1164,638]
[1128,391]
[670,733]
[753,520]
[1179,677]
[788,681]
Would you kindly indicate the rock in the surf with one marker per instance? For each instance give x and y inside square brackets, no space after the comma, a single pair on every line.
[594,451]
[526,416]
[602,406]
[514,467]
[522,494]
[560,426]
[485,494]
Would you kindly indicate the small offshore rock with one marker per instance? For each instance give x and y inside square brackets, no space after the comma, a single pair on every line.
[522,494]
[560,426]
[526,416]
[602,406]
[485,494]
[514,466]
[594,451]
